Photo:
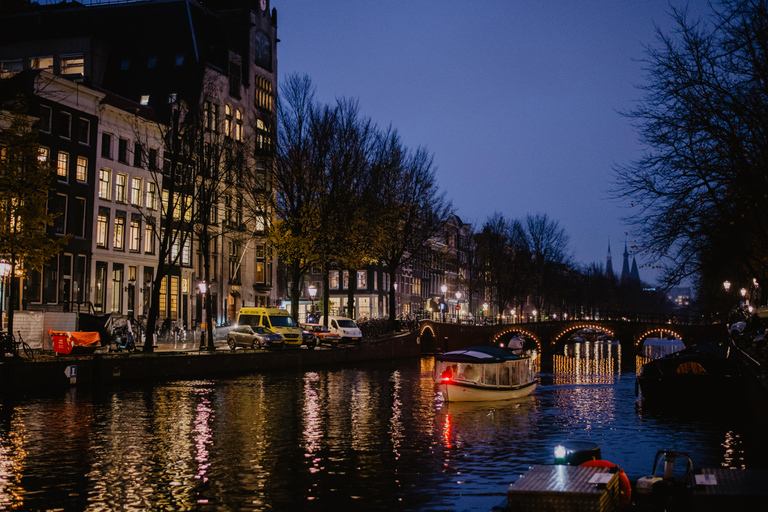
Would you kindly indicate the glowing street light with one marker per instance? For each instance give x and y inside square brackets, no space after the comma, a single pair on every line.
[727,286]
[442,306]
[312,292]
[202,287]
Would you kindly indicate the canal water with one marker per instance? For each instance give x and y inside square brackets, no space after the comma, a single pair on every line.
[373,437]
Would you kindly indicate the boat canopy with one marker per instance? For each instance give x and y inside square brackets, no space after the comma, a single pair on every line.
[478,355]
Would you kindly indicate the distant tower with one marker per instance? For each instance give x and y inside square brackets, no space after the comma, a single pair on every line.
[634,275]
[625,273]
[609,264]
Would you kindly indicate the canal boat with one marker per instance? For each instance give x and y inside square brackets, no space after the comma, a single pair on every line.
[700,373]
[479,374]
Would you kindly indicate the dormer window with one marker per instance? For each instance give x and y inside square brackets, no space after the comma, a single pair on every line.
[73,64]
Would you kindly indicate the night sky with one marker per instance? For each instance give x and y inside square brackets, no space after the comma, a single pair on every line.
[518,101]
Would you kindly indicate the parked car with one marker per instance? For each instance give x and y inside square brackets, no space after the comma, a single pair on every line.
[323,335]
[309,338]
[254,336]
[346,328]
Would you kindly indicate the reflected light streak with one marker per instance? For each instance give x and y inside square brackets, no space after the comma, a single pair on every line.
[203,435]
[13,455]
[312,432]
[447,430]
[396,429]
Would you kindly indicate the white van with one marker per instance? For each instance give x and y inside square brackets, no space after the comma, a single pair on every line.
[346,328]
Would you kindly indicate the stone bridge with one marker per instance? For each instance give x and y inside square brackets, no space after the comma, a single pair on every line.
[550,337]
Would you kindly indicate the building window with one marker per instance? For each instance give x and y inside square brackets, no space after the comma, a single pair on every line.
[263,139]
[234,79]
[41,62]
[119,238]
[238,125]
[65,125]
[72,64]
[102,227]
[45,118]
[263,93]
[362,280]
[104,184]
[82,169]
[227,120]
[179,61]
[152,195]
[135,240]
[101,286]
[125,64]
[152,62]
[144,100]
[106,145]
[152,159]
[136,191]
[62,165]
[138,153]
[83,131]
[43,155]
[149,238]
[117,288]
[9,68]
[122,151]
[78,224]
[121,183]
[58,207]
[333,279]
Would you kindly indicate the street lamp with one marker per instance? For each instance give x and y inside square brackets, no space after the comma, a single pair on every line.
[5,270]
[458,306]
[534,315]
[312,292]
[202,287]
[442,306]
[727,286]
[485,310]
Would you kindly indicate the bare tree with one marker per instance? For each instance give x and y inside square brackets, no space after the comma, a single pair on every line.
[548,244]
[704,117]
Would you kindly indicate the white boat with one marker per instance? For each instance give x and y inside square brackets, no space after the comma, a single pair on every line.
[479,374]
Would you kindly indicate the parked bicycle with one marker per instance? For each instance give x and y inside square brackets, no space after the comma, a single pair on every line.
[9,344]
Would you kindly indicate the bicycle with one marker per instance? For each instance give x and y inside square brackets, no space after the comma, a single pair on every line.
[9,345]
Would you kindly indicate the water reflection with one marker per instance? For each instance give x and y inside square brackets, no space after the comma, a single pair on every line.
[375,437]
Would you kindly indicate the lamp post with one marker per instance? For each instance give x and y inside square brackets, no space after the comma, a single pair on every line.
[442,306]
[485,310]
[203,288]
[312,292]
[5,270]
[396,303]
[727,286]
[458,306]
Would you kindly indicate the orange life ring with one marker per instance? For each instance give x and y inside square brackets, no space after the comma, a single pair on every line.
[624,486]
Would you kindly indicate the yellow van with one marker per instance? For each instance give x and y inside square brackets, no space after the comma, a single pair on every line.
[278,320]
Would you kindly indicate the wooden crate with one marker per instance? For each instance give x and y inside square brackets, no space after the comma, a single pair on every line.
[565,489]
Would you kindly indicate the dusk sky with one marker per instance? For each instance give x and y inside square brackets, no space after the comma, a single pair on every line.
[518,101]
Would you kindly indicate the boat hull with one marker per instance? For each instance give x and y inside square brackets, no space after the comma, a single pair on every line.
[454,392]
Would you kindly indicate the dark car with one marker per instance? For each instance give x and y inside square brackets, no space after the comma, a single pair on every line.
[254,336]
[309,339]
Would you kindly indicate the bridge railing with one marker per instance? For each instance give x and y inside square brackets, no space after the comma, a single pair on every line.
[626,316]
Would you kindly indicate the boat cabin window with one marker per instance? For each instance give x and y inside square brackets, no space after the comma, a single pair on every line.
[489,374]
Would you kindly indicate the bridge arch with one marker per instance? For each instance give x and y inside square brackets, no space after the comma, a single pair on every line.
[560,338]
[641,339]
[512,329]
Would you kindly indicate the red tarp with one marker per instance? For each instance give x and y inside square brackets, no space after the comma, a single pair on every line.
[65,341]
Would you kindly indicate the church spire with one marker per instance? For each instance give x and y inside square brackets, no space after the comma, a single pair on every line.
[609,263]
[625,272]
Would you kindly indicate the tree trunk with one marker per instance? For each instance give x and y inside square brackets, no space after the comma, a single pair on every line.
[351,313]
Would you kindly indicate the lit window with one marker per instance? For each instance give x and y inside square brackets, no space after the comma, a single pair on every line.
[152,195]
[82,168]
[149,238]
[62,165]
[119,233]
[227,120]
[121,183]
[135,235]
[136,191]
[44,155]
[8,68]
[238,124]
[105,176]
[72,64]
[145,99]
[41,62]
[102,225]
